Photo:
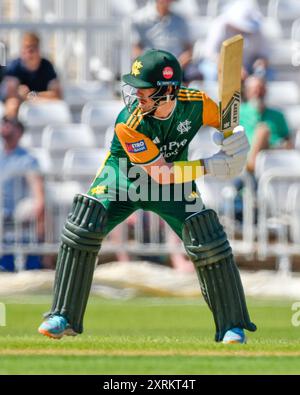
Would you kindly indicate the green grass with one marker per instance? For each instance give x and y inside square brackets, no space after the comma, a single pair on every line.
[148,336]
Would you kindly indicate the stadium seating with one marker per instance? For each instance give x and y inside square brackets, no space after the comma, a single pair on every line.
[276,171]
[284,9]
[62,137]
[78,94]
[272,28]
[39,113]
[188,8]
[36,115]
[274,160]
[57,139]
[297,140]
[295,31]
[83,162]
[59,196]
[198,27]
[292,113]
[293,203]
[282,93]
[209,87]
[81,165]
[221,195]
[109,135]
[125,8]
[99,115]
[44,159]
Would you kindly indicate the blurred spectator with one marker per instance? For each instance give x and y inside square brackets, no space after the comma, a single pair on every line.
[239,18]
[156,26]
[29,76]
[22,190]
[265,127]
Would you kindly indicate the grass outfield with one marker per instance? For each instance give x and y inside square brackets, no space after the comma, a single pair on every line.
[148,336]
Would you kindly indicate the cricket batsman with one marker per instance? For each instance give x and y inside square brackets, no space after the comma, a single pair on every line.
[152,134]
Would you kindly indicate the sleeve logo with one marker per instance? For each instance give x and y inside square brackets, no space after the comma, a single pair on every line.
[134,148]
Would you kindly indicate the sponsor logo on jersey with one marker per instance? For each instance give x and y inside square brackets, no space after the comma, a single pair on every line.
[136,68]
[173,148]
[168,73]
[134,148]
[184,127]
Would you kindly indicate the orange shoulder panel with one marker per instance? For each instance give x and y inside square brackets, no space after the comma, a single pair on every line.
[139,148]
[210,112]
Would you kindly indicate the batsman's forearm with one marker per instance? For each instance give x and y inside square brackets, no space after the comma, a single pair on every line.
[176,172]
[187,171]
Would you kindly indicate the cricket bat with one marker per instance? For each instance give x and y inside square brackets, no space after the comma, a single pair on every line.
[229,76]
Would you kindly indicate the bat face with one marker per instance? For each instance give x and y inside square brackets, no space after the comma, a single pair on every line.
[229,73]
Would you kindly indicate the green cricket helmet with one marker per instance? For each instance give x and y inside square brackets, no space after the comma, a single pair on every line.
[154,69]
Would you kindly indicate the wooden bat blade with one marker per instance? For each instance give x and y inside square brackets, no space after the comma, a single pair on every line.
[229,75]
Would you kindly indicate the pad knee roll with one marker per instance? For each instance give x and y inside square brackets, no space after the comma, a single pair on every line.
[84,227]
[204,238]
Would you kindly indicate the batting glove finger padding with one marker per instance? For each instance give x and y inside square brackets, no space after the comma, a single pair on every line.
[224,166]
[236,143]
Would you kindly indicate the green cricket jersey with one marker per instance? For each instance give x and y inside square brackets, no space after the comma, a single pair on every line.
[171,135]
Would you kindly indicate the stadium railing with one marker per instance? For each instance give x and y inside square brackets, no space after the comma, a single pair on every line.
[146,234]
[74,44]
[277,171]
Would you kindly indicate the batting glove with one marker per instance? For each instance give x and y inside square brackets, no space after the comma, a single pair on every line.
[235,145]
[224,166]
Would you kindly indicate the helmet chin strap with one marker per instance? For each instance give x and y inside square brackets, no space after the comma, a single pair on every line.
[158,101]
[156,105]
[159,97]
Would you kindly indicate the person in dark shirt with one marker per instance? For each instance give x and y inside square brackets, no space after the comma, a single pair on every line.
[29,76]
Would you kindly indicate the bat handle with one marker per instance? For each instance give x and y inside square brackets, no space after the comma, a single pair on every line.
[228,133]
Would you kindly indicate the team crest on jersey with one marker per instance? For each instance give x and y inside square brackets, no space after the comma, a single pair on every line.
[184,127]
[136,68]
[134,148]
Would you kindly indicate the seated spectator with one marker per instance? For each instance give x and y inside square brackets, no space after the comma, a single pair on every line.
[22,192]
[239,18]
[265,127]
[29,76]
[156,26]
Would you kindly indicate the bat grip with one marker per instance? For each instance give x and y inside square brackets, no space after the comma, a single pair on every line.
[228,133]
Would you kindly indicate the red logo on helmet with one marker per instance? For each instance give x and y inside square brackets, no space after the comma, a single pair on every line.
[168,73]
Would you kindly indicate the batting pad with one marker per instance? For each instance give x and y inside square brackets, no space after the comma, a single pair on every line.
[207,245]
[81,241]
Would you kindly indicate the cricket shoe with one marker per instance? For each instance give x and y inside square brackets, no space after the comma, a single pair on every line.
[234,336]
[56,327]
